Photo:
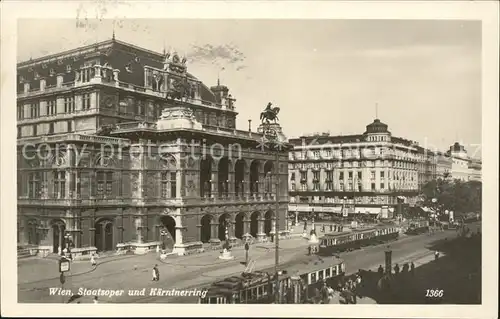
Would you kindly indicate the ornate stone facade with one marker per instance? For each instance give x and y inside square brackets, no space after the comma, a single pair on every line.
[131,162]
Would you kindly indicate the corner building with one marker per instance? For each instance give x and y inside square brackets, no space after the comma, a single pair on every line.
[120,148]
[367,173]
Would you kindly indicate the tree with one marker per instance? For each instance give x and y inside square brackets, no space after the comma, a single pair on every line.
[455,195]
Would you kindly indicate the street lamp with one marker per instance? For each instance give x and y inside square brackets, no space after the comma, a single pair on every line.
[273,138]
[67,238]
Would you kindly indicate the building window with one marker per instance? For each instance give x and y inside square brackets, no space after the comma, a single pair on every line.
[316,154]
[341,176]
[382,174]
[51,128]
[303,176]
[316,175]
[68,68]
[372,174]
[360,175]
[303,187]
[341,186]
[69,104]
[329,176]
[292,176]
[104,184]
[350,175]
[293,187]
[51,107]
[34,130]
[75,186]
[34,110]
[59,179]
[86,101]
[382,186]
[34,185]
[70,126]
[373,186]
[168,185]
[19,131]
[360,188]
[328,185]
[316,186]
[20,112]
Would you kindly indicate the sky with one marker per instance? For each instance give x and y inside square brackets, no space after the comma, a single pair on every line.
[325,75]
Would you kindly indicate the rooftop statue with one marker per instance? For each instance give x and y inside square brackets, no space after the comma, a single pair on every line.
[270,114]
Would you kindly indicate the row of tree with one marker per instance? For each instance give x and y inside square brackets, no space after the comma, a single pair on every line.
[455,195]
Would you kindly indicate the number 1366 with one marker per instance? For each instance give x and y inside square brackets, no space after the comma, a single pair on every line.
[435,293]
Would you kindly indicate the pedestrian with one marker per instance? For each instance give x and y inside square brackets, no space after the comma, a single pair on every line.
[436,255]
[380,270]
[396,269]
[92,260]
[154,274]
[157,273]
[95,300]
[412,267]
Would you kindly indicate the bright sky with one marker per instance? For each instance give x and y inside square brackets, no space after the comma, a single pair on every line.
[325,75]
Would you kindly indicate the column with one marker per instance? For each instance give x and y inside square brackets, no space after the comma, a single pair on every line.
[260,232]
[246,225]
[214,181]
[214,225]
[61,241]
[231,184]
[178,235]
[179,186]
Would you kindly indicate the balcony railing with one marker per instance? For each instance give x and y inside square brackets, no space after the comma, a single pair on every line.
[67,137]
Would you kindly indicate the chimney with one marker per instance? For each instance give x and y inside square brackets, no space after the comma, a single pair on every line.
[249,125]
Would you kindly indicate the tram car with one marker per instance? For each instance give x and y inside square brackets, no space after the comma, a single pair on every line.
[418,227]
[333,243]
[258,287]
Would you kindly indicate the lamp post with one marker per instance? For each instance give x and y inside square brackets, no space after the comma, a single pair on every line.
[274,140]
[66,250]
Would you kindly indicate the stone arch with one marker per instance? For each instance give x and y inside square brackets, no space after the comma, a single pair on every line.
[206,228]
[167,231]
[254,223]
[223,168]
[239,177]
[254,177]
[167,161]
[224,220]
[103,160]
[269,218]
[58,228]
[206,168]
[239,229]
[104,234]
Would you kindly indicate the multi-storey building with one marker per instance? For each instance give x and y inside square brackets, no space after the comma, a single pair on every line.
[120,147]
[475,168]
[366,173]
[460,162]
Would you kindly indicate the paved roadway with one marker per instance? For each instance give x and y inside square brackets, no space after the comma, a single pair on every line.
[134,272]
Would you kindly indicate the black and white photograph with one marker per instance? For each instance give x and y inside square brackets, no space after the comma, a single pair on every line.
[209,159]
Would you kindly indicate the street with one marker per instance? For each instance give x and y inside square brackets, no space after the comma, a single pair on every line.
[134,272]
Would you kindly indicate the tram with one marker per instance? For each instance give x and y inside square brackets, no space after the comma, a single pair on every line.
[418,227]
[334,243]
[258,287]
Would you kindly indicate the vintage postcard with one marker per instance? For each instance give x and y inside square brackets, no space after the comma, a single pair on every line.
[222,156]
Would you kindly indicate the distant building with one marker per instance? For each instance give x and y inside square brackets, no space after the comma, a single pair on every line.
[475,168]
[363,173]
[459,162]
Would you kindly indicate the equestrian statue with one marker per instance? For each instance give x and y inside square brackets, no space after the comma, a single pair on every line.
[270,114]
